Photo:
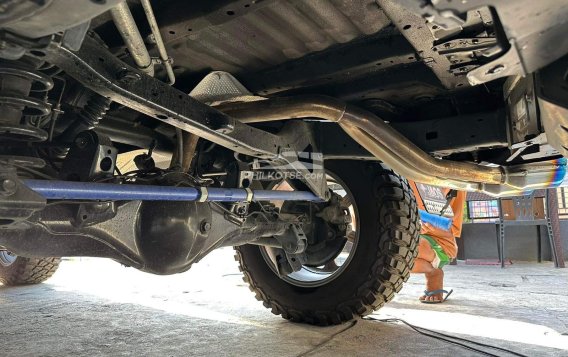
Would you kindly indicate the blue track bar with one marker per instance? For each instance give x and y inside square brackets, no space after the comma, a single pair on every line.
[65,190]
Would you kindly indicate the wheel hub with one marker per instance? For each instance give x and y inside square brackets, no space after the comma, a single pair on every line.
[331,241]
[7,258]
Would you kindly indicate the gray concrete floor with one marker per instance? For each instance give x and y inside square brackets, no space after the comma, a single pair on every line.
[97,307]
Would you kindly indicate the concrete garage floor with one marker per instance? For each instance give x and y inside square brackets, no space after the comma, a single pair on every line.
[97,307]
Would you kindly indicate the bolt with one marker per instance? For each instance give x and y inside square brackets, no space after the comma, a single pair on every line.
[428,17]
[81,142]
[9,187]
[225,128]
[127,77]
[205,227]
[496,69]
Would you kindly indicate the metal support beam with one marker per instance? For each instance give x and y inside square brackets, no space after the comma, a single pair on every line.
[99,70]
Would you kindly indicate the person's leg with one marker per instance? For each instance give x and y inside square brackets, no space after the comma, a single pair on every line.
[425,252]
[423,264]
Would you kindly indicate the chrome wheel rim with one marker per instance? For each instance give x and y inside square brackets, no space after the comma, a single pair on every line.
[7,258]
[310,277]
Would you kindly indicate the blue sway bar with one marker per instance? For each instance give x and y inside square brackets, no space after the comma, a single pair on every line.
[66,190]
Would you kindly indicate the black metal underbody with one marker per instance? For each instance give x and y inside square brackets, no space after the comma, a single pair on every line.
[379,55]
[407,61]
[137,233]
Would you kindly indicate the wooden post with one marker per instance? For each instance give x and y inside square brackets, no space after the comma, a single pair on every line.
[552,211]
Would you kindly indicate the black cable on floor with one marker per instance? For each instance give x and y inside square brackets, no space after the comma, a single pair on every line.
[450,339]
[327,340]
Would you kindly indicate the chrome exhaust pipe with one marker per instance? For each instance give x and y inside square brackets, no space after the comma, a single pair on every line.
[399,153]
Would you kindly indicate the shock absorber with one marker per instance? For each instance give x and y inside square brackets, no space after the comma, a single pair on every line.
[88,118]
[22,97]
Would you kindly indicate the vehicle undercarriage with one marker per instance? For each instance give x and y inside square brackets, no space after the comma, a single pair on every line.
[153,133]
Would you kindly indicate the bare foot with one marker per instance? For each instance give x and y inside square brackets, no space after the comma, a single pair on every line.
[434,281]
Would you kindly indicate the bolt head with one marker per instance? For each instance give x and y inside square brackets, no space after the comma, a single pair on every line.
[205,227]
[81,142]
[9,186]
[225,128]
[127,77]
[498,68]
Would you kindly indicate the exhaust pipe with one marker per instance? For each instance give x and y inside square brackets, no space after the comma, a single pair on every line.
[129,32]
[399,153]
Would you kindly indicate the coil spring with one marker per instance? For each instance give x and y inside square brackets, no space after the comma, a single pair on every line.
[17,103]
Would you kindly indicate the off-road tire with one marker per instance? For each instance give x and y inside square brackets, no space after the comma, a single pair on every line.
[25,271]
[388,244]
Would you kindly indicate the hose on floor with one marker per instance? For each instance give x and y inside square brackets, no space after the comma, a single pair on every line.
[450,339]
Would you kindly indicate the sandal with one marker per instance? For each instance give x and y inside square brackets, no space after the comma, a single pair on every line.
[434,292]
